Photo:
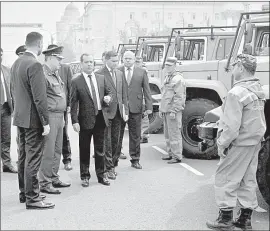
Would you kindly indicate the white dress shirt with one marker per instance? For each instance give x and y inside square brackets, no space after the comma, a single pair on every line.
[31,53]
[4,86]
[95,86]
[131,71]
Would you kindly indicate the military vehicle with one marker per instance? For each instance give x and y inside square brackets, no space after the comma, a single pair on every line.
[189,45]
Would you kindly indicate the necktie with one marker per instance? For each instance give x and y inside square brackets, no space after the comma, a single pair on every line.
[94,96]
[2,93]
[129,75]
[113,77]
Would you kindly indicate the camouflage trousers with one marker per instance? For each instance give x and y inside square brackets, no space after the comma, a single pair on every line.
[173,136]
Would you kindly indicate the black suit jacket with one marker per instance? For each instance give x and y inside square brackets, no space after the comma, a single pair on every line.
[66,76]
[119,92]
[138,87]
[28,87]
[6,75]
[82,108]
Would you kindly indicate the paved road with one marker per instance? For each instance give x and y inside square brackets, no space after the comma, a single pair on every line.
[158,197]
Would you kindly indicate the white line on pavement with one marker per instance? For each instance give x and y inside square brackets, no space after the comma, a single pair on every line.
[183,164]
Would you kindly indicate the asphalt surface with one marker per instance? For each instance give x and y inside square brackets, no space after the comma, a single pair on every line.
[158,197]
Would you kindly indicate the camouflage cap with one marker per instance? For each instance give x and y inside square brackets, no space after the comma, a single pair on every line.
[171,61]
[248,61]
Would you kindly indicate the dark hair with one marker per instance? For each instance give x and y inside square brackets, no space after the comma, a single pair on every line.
[86,54]
[110,54]
[32,38]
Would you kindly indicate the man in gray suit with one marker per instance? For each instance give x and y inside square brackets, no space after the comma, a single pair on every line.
[138,88]
[31,117]
[6,110]
[117,111]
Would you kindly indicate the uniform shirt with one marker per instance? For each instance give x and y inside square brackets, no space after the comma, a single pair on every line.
[95,86]
[56,96]
[4,86]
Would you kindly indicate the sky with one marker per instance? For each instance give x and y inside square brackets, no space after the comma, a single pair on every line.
[47,13]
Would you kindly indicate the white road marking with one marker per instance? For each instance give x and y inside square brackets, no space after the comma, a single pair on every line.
[182,164]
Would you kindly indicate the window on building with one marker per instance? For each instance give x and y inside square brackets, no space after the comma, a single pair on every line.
[181,15]
[157,15]
[204,16]
[169,16]
[216,16]
[193,16]
[131,15]
[144,15]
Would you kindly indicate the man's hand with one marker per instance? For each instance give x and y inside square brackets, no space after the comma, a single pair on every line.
[221,152]
[161,114]
[68,109]
[46,130]
[172,115]
[107,99]
[76,127]
[147,112]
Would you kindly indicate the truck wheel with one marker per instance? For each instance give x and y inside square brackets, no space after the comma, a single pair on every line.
[193,116]
[263,170]
[155,124]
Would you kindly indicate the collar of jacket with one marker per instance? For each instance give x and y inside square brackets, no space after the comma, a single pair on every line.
[246,80]
[47,70]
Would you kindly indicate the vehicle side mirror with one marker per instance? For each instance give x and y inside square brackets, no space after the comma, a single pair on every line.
[249,32]
[247,49]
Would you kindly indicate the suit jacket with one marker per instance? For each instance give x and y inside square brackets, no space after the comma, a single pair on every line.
[28,87]
[138,87]
[82,108]
[6,76]
[66,76]
[119,92]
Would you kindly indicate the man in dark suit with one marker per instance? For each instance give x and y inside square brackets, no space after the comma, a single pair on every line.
[117,111]
[6,110]
[138,88]
[89,117]
[31,117]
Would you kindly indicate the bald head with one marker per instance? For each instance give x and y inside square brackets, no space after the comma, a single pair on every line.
[129,59]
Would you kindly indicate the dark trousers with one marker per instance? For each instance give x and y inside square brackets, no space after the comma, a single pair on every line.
[5,135]
[66,150]
[85,136]
[134,130]
[119,147]
[111,142]
[31,146]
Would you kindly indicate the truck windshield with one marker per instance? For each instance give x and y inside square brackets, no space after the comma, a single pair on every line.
[153,53]
[190,49]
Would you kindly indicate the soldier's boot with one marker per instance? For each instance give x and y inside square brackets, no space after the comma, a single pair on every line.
[244,220]
[223,222]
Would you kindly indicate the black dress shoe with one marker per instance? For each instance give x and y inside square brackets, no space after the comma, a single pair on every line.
[40,205]
[23,198]
[166,158]
[103,181]
[122,156]
[9,169]
[174,161]
[136,165]
[144,141]
[50,190]
[85,183]
[60,184]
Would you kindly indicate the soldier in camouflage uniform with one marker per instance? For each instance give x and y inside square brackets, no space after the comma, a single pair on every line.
[240,131]
[171,106]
